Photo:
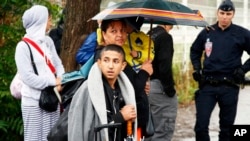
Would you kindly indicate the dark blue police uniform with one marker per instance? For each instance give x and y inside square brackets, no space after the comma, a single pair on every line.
[221,73]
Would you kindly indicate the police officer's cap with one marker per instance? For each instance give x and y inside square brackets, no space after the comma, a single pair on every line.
[227,5]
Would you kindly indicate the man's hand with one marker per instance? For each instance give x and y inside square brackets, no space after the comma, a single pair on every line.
[197,74]
[239,75]
[128,112]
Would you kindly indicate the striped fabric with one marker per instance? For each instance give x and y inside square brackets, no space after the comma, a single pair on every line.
[37,122]
[154,11]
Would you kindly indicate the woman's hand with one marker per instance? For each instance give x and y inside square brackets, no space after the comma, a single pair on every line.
[58,84]
[147,87]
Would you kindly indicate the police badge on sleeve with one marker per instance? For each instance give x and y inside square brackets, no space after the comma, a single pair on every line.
[208,47]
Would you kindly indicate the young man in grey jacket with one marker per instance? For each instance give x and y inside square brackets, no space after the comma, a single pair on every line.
[106,97]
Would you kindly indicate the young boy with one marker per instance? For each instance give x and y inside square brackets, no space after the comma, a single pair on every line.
[106,97]
[137,45]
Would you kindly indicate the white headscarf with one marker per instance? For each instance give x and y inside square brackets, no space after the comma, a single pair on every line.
[35,21]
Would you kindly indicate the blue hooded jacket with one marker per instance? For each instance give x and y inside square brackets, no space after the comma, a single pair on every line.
[87,49]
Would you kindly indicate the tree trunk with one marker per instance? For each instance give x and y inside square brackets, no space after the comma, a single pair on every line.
[76,28]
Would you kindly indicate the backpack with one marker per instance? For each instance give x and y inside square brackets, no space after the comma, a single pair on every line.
[87,49]
[71,81]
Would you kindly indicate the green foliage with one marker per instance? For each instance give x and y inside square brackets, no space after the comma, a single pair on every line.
[185,85]
[11,32]
[11,125]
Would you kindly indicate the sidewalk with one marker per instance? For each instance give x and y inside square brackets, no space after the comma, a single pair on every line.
[186,118]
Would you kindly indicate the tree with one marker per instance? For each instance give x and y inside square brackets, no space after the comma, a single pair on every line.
[77,27]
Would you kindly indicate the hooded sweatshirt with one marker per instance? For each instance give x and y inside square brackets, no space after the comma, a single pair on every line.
[35,22]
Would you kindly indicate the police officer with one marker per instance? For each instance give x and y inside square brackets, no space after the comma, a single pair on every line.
[221,72]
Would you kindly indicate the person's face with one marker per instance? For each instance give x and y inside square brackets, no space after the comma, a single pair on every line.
[115,34]
[111,64]
[224,18]
[49,24]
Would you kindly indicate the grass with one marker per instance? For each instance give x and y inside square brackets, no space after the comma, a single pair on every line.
[184,84]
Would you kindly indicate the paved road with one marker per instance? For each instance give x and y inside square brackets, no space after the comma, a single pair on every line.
[186,118]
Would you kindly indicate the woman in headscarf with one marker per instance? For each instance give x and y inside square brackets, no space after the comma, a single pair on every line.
[37,122]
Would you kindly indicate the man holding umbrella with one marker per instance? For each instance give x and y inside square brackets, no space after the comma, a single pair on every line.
[221,73]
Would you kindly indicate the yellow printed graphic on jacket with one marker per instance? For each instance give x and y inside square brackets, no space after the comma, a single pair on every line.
[139,42]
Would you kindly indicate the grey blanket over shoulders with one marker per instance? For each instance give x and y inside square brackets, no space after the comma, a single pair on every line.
[88,107]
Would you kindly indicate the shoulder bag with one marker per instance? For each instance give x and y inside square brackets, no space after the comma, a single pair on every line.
[48,100]
[150,130]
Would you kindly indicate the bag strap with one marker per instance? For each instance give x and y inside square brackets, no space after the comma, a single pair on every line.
[52,68]
[32,59]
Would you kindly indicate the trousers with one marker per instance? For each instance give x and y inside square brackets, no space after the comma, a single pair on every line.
[164,112]
[205,100]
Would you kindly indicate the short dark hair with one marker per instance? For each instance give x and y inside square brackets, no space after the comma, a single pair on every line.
[113,47]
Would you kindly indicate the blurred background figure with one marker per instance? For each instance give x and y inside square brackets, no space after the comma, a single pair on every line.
[56,33]
[162,95]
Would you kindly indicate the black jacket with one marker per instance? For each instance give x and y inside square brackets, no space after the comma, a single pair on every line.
[56,35]
[227,48]
[162,63]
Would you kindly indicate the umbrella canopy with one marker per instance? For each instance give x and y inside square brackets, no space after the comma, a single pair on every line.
[156,11]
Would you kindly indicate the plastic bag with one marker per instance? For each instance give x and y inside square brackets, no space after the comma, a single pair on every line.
[59,132]
[16,86]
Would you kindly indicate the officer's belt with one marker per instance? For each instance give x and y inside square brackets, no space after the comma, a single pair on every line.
[218,80]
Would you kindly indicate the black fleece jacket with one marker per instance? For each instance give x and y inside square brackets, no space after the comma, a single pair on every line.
[162,63]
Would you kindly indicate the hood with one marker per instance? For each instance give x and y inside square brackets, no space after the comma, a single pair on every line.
[35,21]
